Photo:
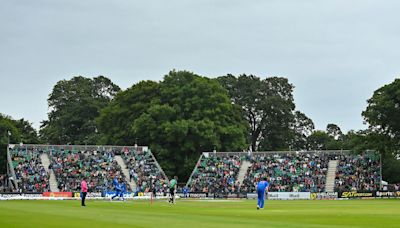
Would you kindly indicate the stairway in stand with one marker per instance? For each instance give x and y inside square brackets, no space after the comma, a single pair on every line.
[52,181]
[243,170]
[330,177]
[125,171]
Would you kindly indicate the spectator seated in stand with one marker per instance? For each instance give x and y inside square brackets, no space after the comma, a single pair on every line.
[358,173]
[143,170]
[96,163]
[29,171]
[216,174]
[288,172]
[98,167]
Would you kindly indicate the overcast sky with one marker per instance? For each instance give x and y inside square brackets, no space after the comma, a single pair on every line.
[336,53]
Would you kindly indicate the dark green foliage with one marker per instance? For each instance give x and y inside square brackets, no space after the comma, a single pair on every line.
[74,104]
[383,111]
[268,107]
[115,121]
[334,131]
[20,131]
[319,140]
[194,115]
[356,141]
[383,116]
[178,118]
[391,169]
[302,128]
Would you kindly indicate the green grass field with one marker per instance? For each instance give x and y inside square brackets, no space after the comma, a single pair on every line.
[196,213]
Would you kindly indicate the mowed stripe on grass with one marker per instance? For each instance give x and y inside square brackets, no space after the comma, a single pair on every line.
[193,213]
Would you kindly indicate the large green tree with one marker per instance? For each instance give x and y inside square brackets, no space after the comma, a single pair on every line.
[334,131]
[356,141]
[115,121]
[319,140]
[74,104]
[21,131]
[331,139]
[383,116]
[383,110]
[268,107]
[194,115]
[178,118]
[302,128]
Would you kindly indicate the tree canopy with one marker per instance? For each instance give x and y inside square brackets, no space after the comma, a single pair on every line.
[74,104]
[383,110]
[302,128]
[21,131]
[383,116]
[179,117]
[268,107]
[115,120]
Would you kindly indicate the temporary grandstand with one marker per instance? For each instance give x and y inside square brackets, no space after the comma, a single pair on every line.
[60,168]
[289,171]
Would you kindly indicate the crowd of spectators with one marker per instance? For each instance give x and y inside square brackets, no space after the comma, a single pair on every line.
[30,174]
[288,172]
[144,171]
[358,173]
[97,166]
[216,174]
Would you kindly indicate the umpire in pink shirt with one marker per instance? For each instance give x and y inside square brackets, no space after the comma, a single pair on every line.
[84,189]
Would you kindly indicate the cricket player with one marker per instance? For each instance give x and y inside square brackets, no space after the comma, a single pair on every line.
[123,190]
[117,187]
[262,186]
[84,189]
[172,189]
